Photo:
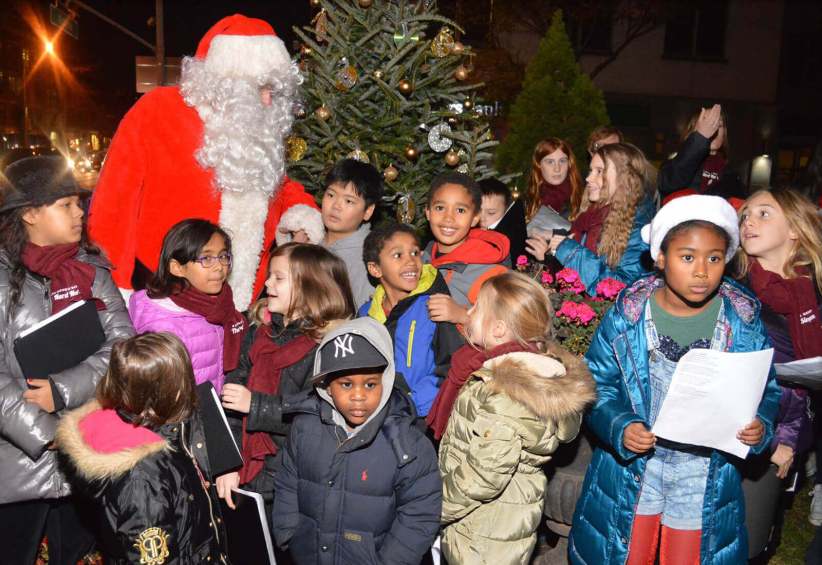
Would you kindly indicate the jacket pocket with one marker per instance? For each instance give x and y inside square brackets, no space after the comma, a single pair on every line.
[358,547]
[305,540]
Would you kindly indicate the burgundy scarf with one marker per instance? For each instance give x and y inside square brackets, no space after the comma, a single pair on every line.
[464,362]
[590,223]
[557,196]
[796,300]
[217,309]
[268,359]
[71,280]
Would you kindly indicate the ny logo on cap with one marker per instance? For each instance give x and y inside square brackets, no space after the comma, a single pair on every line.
[343,346]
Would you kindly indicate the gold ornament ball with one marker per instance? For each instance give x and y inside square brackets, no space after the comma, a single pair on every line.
[458,48]
[390,173]
[314,3]
[461,73]
[452,159]
[411,153]
[365,3]
[323,113]
[405,87]
[295,148]
[468,104]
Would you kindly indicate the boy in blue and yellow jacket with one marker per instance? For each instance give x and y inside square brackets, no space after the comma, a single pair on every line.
[422,347]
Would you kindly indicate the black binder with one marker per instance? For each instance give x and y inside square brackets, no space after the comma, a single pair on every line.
[249,538]
[61,341]
[223,452]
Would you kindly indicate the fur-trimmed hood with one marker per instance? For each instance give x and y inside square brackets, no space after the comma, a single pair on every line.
[553,386]
[101,445]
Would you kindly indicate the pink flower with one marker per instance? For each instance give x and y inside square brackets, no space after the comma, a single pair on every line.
[522,260]
[579,313]
[567,275]
[568,309]
[546,278]
[609,288]
[569,281]
[585,314]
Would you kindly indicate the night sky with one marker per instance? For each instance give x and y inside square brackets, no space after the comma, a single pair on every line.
[102,59]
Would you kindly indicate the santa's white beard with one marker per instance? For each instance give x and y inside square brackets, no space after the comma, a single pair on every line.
[243,144]
[242,138]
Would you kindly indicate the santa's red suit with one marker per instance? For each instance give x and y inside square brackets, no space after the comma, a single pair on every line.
[152,180]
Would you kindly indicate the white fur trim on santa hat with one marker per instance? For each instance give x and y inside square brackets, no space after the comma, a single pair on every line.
[249,56]
[242,215]
[301,217]
[713,209]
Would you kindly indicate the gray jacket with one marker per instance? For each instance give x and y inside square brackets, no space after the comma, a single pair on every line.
[349,249]
[28,470]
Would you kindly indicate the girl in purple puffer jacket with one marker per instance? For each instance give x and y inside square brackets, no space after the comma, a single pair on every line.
[189,297]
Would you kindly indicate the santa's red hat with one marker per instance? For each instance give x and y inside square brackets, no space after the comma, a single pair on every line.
[242,47]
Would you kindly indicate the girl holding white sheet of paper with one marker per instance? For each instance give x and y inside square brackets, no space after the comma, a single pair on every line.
[637,482]
[781,261]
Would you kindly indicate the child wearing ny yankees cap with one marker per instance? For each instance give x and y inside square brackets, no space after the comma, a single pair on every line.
[359,482]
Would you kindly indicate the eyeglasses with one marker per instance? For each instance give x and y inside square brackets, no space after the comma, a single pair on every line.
[208,261]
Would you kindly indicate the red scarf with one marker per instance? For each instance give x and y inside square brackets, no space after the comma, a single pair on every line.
[268,359]
[712,168]
[217,309]
[590,224]
[71,279]
[796,300]
[464,362]
[556,196]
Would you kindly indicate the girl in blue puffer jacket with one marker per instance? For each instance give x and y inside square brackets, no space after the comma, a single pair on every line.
[604,241]
[637,482]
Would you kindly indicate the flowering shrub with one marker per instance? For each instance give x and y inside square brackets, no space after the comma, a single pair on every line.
[576,314]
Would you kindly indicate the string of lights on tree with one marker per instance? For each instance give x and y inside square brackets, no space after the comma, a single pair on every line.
[387,82]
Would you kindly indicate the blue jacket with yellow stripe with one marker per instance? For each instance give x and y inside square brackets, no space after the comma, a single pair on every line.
[422,348]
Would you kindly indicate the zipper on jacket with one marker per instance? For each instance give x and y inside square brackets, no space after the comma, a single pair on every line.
[410,342]
[202,482]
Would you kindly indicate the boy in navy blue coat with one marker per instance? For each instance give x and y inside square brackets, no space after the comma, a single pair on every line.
[422,347]
[359,483]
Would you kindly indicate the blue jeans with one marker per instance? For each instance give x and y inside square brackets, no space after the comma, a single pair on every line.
[674,481]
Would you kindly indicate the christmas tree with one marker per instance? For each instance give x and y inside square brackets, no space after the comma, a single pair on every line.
[557,100]
[386,82]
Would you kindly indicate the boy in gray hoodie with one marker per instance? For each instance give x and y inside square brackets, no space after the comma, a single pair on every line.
[359,482]
[352,191]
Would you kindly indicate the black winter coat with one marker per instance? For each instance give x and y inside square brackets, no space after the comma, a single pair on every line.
[685,171]
[375,498]
[154,505]
[266,411]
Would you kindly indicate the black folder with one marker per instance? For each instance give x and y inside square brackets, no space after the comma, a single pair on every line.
[61,341]
[249,539]
[223,452]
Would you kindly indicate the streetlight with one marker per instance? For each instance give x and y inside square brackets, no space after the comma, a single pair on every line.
[48,47]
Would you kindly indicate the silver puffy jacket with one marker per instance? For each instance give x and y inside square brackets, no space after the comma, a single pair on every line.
[28,470]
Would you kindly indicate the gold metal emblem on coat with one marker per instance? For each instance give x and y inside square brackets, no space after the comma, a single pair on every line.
[153,546]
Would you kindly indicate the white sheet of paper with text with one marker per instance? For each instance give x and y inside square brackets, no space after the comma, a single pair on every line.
[712,396]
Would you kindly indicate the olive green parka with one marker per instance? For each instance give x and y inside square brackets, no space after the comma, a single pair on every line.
[508,419]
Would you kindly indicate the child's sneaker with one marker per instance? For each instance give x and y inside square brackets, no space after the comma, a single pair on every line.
[815,517]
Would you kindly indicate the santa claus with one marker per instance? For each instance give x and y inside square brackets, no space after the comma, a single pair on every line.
[209,148]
